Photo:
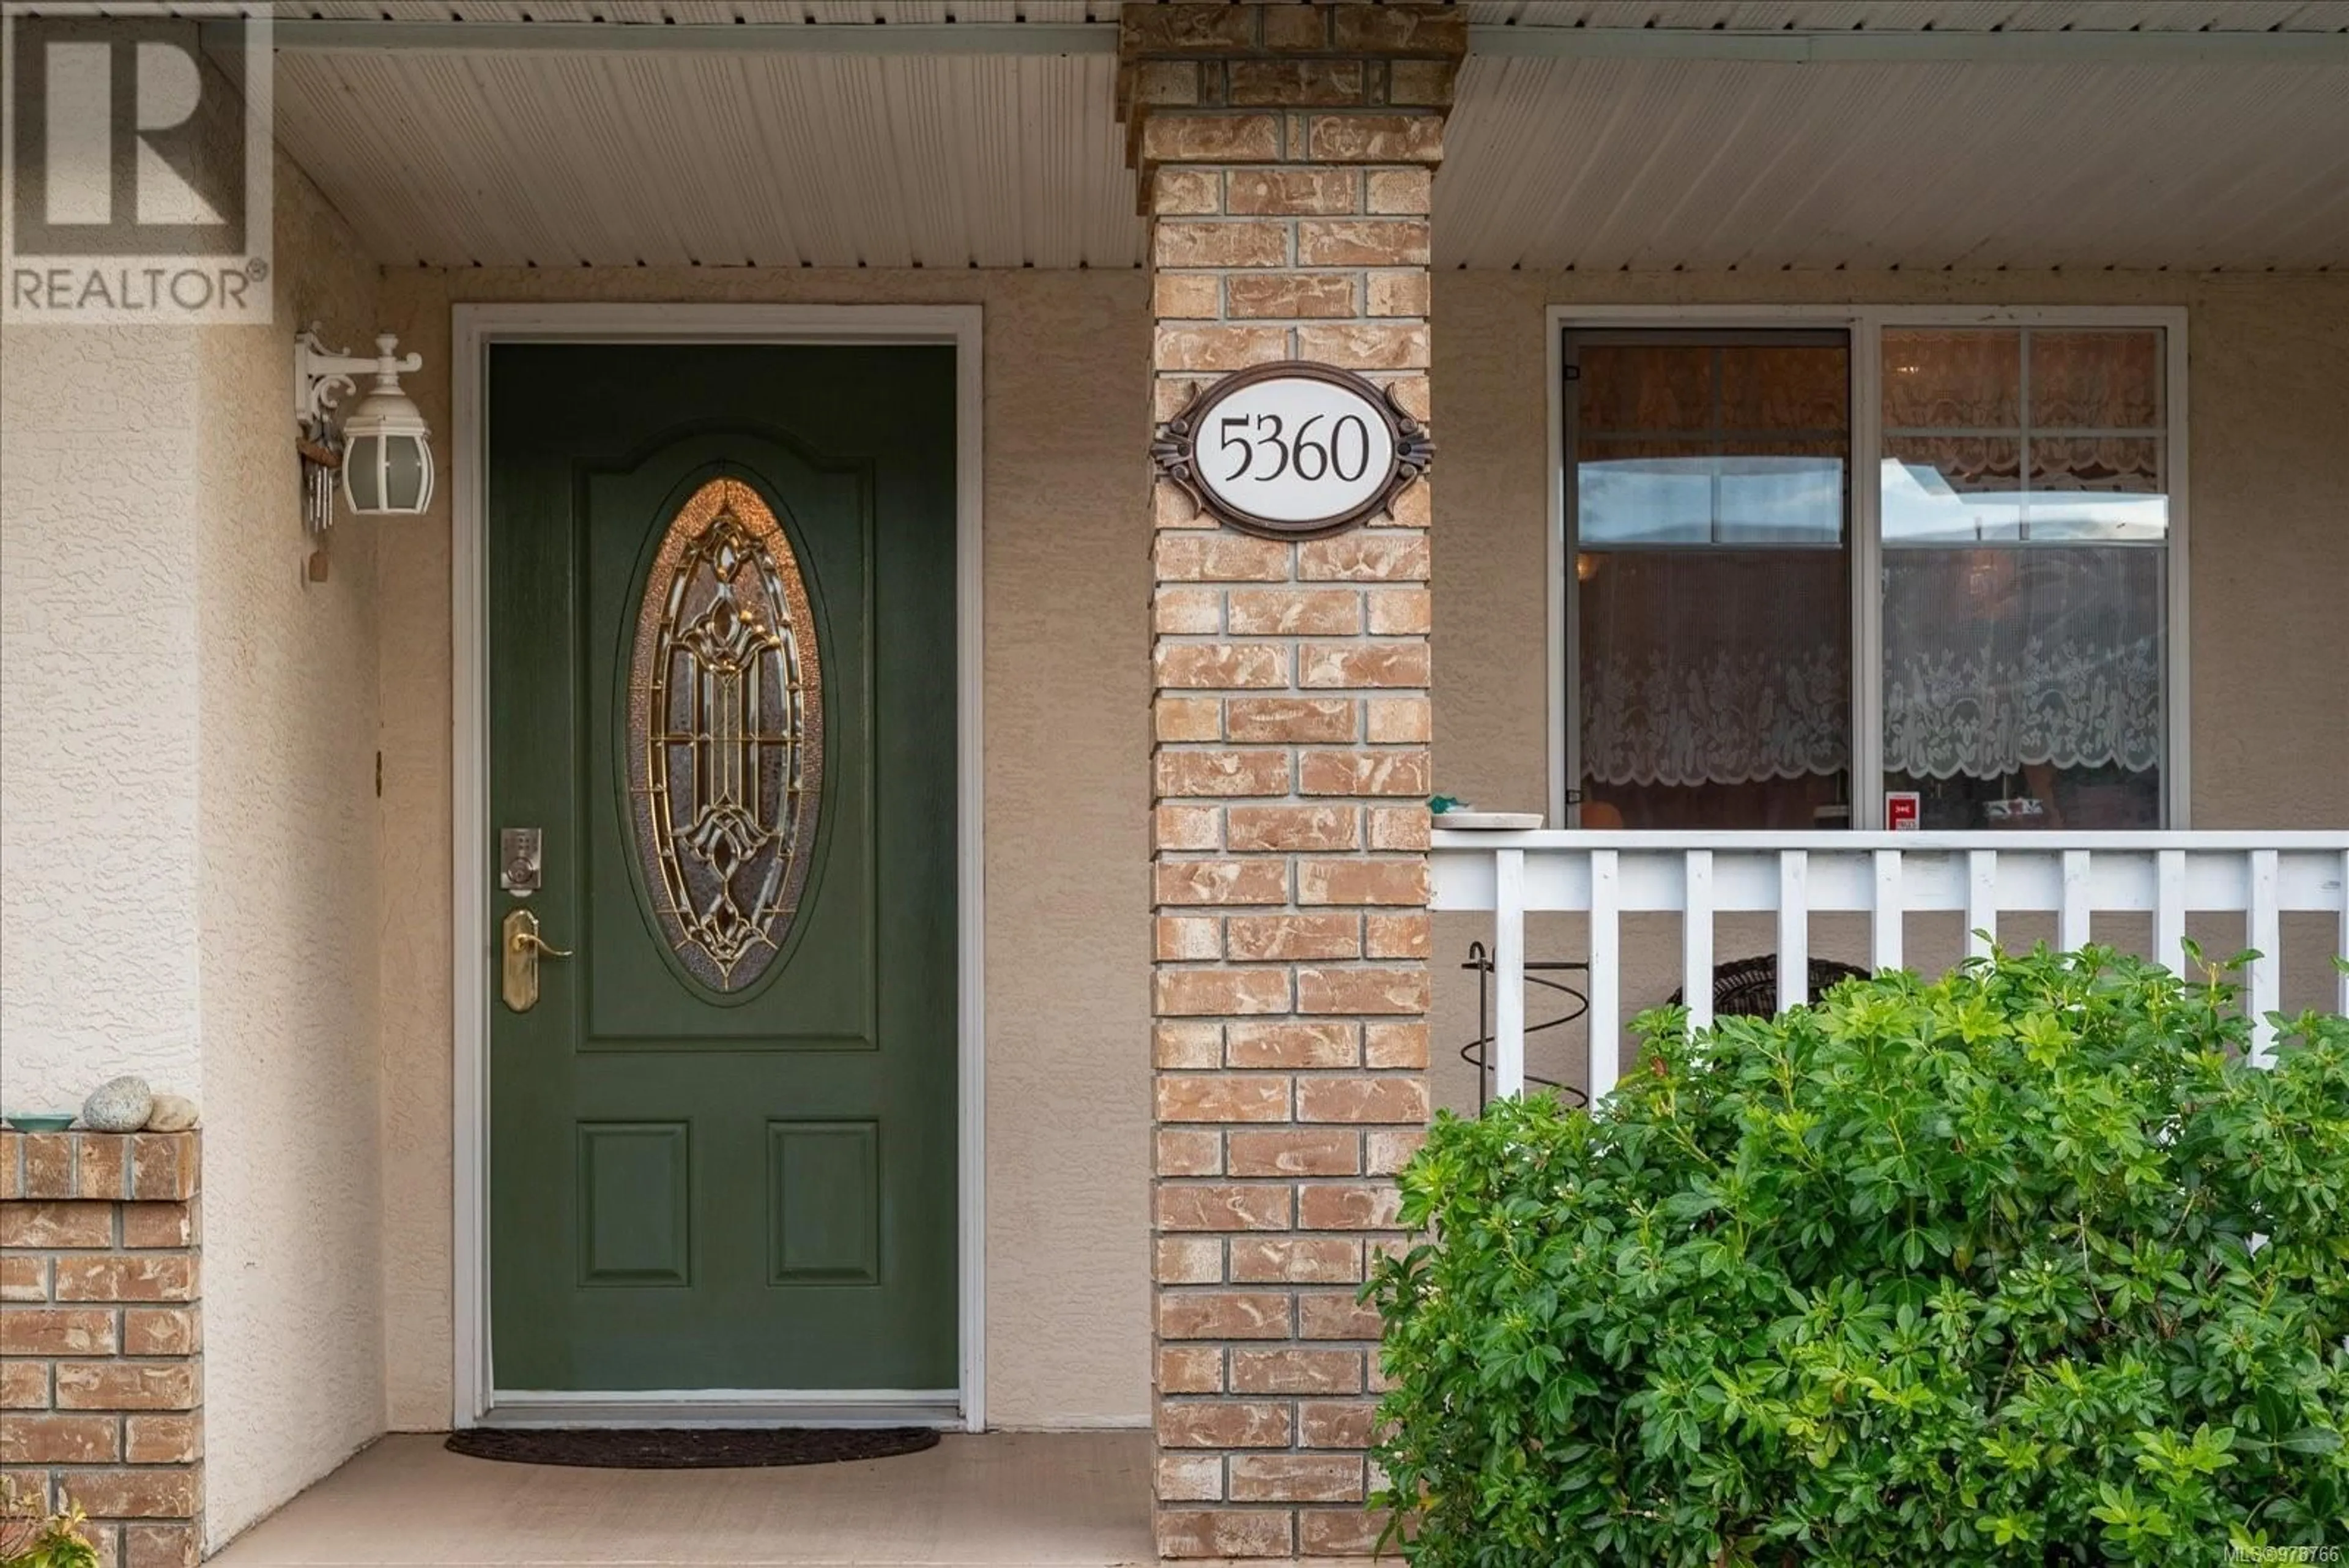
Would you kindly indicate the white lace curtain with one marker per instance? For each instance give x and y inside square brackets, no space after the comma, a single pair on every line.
[1725,668]
[1716,666]
[1996,658]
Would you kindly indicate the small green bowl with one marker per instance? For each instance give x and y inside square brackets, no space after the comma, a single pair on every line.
[40,1121]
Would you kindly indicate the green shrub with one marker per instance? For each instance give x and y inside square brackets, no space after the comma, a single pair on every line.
[31,1536]
[2020,1266]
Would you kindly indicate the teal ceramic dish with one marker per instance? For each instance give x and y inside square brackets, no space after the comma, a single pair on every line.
[43,1121]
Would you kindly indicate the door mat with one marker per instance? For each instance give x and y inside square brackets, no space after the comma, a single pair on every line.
[689,1449]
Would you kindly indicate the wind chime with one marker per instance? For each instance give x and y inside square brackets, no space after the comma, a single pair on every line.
[321,446]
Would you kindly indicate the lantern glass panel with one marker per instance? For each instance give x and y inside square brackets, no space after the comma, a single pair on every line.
[363,473]
[404,473]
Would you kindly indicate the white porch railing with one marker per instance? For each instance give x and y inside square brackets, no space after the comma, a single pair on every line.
[1886,875]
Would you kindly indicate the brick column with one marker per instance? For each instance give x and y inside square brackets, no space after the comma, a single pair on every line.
[1286,154]
[101,1375]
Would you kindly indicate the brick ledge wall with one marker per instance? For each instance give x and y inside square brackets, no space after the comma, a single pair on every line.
[101,1338]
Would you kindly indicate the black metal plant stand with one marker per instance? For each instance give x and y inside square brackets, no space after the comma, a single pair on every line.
[1477,1052]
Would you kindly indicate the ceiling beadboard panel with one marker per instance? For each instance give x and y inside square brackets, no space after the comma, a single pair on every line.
[682,13]
[1004,156]
[1612,164]
[1736,15]
[1908,15]
[774,159]
[1890,15]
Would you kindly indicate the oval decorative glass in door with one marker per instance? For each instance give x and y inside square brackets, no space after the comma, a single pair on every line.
[725,734]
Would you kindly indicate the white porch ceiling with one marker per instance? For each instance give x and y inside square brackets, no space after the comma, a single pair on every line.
[1895,15]
[772,159]
[1905,16]
[1588,134]
[1653,164]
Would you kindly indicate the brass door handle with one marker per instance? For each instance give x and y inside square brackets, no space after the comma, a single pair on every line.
[539,944]
[523,946]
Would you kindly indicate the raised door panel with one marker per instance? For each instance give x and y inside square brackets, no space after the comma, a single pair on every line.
[636,1207]
[824,1193]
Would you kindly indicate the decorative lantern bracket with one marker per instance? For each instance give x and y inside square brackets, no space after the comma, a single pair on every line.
[323,378]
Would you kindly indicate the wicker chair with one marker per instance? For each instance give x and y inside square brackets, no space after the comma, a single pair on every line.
[1748,987]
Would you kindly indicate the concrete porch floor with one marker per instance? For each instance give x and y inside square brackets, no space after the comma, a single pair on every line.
[1068,1499]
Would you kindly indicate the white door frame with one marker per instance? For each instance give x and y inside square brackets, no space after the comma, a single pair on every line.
[1866,325]
[473,328]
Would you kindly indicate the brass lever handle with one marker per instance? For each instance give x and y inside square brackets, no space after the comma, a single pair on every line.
[530,938]
[524,948]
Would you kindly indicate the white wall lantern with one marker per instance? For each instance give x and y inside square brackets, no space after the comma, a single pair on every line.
[383,443]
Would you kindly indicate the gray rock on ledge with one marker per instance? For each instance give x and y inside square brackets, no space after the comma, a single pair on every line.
[119,1105]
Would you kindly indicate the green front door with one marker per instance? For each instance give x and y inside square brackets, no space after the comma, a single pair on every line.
[721,613]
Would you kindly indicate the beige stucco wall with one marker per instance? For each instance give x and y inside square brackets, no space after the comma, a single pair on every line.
[2268,573]
[285,817]
[1066,581]
[190,834]
[98,700]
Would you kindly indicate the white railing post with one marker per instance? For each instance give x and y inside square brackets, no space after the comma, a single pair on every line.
[2170,909]
[1794,929]
[2340,976]
[2264,926]
[1887,914]
[1606,1012]
[2074,918]
[1696,937]
[1981,902]
[1509,971]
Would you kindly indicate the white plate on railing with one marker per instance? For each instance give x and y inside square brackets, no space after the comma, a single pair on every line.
[1492,821]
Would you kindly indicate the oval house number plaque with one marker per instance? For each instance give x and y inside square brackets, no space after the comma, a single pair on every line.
[1293,450]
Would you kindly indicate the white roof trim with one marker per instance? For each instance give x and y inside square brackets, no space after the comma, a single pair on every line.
[1856,46]
[1779,46]
[331,36]
[920,142]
